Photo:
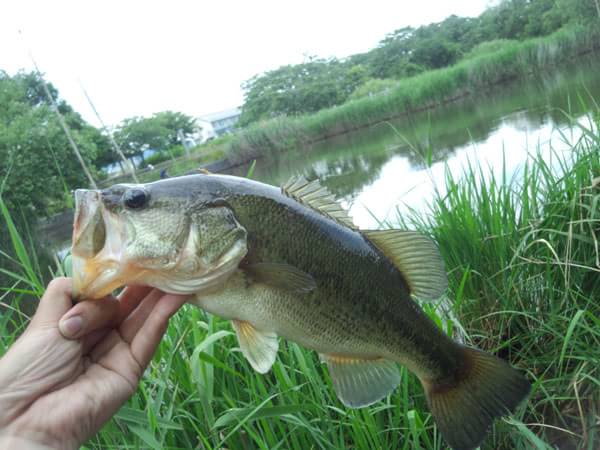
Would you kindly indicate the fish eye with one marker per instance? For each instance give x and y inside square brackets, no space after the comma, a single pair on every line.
[135,198]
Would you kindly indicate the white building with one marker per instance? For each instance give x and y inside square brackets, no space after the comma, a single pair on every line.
[216,124]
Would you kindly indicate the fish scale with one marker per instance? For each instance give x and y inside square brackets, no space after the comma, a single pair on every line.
[357,279]
[289,263]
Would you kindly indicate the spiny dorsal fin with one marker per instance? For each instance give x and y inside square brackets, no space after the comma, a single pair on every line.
[317,197]
[417,257]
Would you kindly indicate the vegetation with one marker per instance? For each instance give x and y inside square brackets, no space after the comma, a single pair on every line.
[320,83]
[340,95]
[522,255]
[523,261]
[383,100]
[159,132]
[37,165]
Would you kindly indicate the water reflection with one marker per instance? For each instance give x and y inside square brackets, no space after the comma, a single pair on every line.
[397,166]
[401,188]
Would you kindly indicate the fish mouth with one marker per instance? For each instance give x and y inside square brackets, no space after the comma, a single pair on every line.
[104,256]
[96,248]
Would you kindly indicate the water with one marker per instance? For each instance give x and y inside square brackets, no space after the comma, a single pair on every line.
[391,168]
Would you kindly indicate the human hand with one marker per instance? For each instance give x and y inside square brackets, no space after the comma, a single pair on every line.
[74,366]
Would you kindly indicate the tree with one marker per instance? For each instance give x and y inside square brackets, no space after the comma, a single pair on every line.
[432,53]
[159,132]
[37,166]
[174,122]
[307,87]
[391,55]
[581,10]
[321,83]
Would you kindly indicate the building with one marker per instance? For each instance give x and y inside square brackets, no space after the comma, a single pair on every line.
[217,124]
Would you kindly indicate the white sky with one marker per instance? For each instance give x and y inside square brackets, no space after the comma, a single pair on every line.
[141,57]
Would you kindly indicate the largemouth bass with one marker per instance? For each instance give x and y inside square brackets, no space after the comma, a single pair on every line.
[288,262]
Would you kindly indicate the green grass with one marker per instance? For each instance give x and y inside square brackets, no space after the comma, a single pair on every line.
[176,166]
[523,263]
[491,65]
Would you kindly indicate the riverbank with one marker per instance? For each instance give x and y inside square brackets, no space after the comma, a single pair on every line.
[509,61]
[523,262]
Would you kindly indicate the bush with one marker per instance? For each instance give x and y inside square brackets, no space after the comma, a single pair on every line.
[373,86]
[164,155]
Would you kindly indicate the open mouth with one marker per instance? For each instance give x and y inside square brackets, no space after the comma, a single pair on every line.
[108,252]
[96,248]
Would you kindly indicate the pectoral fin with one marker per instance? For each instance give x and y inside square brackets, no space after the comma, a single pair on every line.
[281,276]
[259,347]
[361,382]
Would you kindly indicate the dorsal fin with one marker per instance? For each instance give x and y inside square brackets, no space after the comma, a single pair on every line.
[318,198]
[418,259]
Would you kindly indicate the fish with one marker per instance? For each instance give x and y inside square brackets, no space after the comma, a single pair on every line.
[288,262]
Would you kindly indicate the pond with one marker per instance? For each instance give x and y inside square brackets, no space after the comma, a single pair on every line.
[390,168]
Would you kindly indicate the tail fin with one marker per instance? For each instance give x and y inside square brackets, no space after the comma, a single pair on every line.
[485,388]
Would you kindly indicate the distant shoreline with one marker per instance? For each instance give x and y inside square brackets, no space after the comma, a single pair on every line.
[429,90]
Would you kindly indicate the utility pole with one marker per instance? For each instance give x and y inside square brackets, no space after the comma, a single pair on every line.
[65,128]
[128,164]
[62,122]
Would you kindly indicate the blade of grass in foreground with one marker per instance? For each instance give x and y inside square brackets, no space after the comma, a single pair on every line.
[31,277]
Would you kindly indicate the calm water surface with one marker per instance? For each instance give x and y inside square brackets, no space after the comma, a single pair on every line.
[394,167]
[390,168]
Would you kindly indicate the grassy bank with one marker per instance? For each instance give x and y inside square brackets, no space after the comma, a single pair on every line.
[523,262]
[489,66]
[202,154]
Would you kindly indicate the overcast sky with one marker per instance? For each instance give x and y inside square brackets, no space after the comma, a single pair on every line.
[141,57]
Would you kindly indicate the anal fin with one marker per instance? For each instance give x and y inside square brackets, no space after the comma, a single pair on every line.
[259,347]
[361,382]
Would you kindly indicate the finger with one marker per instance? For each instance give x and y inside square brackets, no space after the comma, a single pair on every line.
[148,337]
[88,316]
[89,341]
[132,323]
[130,298]
[54,303]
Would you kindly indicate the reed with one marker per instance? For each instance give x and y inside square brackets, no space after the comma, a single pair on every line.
[478,72]
[523,262]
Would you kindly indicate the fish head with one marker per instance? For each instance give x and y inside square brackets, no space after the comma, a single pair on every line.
[156,234]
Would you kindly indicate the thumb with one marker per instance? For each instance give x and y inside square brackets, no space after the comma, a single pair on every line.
[88,316]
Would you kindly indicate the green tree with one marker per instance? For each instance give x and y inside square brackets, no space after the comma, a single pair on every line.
[37,166]
[160,132]
[432,53]
[174,122]
[580,10]
[322,83]
[391,55]
[301,88]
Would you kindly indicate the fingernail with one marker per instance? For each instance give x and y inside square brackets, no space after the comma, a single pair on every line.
[71,326]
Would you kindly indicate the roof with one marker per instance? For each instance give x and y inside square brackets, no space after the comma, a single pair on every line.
[213,117]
